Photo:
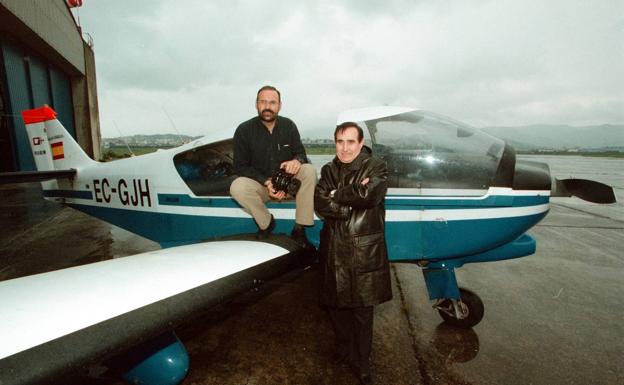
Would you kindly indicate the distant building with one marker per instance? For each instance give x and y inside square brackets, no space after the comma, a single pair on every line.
[44,60]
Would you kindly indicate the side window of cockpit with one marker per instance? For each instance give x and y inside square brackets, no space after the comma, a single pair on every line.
[424,150]
[407,152]
[205,171]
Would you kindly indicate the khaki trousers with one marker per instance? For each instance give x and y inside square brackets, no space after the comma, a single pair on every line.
[252,196]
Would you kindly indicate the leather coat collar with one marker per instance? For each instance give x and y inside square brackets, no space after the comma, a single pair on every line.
[365,153]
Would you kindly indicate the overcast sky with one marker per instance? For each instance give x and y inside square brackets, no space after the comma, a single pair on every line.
[197,64]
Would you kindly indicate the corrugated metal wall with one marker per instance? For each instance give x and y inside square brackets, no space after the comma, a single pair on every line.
[31,83]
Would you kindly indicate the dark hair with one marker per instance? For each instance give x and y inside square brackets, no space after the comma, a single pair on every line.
[343,126]
[271,88]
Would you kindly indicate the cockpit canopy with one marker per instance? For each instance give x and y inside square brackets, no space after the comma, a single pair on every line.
[426,150]
[207,169]
[423,150]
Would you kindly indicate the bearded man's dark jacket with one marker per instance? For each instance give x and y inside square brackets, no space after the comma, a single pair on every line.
[259,153]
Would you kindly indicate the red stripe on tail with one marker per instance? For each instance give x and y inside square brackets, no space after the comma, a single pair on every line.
[38,115]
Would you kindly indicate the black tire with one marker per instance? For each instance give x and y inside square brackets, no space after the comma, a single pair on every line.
[473,304]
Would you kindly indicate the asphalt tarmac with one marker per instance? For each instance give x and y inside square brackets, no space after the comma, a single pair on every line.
[551,318]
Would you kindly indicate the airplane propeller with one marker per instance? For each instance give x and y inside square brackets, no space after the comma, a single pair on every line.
[588,190]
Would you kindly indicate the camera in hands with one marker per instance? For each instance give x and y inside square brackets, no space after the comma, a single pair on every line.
[283,181]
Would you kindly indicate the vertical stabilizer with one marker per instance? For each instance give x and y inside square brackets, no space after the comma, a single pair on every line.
[38,140]
[39,144]
[52,146]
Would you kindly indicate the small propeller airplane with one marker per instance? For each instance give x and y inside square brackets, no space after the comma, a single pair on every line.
[456,195]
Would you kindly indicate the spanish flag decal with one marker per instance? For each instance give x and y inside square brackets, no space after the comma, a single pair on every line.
[57,150]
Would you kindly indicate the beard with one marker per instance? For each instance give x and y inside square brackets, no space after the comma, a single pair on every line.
[267,115]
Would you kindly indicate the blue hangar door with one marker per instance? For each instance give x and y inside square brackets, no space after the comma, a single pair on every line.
[29,82]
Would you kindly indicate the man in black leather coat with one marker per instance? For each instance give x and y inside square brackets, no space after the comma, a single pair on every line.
[355,273]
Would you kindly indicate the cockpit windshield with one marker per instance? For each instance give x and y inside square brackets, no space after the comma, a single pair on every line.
[426,150]
[207,169]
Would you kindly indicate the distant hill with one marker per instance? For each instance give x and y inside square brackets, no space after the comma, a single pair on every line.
[523,138]
[157,140]
[560,136]
[154,137]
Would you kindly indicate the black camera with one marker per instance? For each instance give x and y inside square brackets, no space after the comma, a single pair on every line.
[283,181]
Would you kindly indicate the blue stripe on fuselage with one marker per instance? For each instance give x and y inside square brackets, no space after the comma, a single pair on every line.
[457,238]
[76,194]
[392,202]
[406,240]
[220,201]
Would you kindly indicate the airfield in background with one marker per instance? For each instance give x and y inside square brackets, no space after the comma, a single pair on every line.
[551,318]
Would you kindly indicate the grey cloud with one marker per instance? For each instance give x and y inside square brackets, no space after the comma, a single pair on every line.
[487,62]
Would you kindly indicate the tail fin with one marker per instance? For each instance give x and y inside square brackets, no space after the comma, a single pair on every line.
[52,146]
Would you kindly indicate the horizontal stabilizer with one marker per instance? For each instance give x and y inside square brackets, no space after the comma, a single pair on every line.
[35,176]
[588,190]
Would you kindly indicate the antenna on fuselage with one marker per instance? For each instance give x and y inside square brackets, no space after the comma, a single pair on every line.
[121,136]
[173,125]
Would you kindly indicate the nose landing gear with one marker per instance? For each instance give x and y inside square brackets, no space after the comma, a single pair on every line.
[465,312]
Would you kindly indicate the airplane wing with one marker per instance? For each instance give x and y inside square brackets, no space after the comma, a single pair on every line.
[56,321]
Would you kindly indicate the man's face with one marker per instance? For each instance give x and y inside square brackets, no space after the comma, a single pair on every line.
[268,105]
[347,145]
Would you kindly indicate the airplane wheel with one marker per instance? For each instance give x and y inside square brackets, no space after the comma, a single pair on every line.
[470,308]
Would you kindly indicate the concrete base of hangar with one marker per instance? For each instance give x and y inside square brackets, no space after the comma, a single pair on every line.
[551,318]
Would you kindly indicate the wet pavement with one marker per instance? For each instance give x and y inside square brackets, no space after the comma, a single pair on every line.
[551,318]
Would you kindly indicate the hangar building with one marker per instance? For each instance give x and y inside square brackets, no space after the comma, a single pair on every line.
[44,59]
